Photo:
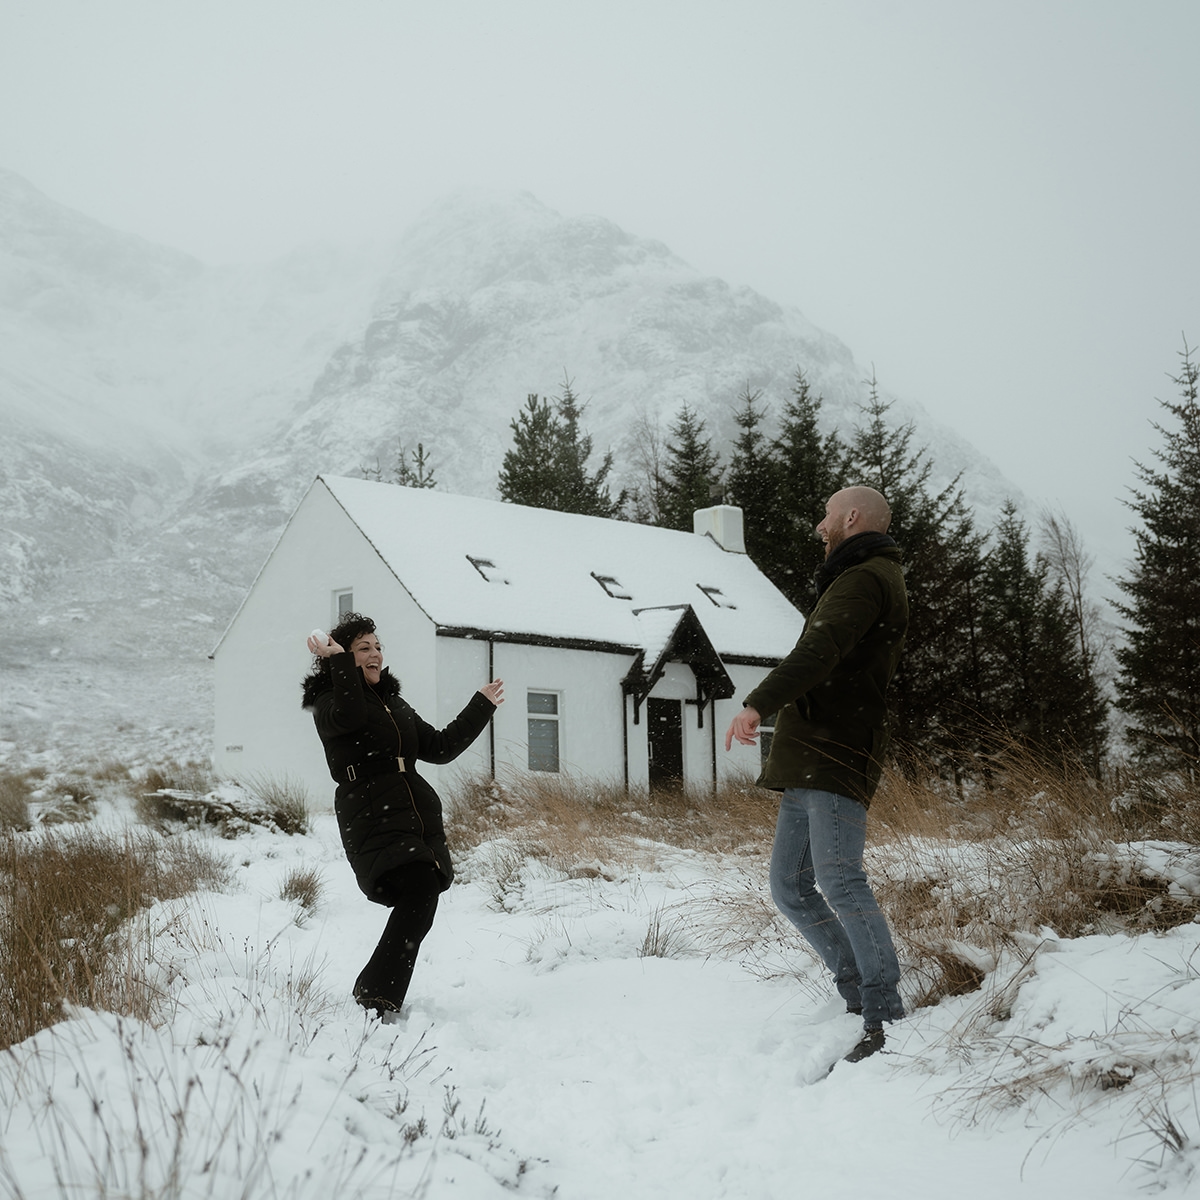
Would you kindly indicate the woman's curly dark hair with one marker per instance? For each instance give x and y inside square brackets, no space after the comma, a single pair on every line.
[351,627]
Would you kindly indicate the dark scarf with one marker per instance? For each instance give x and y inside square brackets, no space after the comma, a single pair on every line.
[849,554]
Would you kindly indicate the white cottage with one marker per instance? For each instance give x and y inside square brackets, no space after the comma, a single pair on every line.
[624,649]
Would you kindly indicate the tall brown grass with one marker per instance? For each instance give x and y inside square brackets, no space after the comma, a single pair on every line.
[14,801]
[571,823]
[66,930]
[961,877]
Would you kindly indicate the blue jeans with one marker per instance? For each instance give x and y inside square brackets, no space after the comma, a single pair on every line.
[819,842]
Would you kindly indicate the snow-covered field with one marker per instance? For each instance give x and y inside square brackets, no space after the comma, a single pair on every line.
[594,1037]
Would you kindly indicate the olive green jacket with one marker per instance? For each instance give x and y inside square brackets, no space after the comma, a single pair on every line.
[828,694]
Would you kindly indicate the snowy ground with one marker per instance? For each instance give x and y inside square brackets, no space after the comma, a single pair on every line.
[546,1052]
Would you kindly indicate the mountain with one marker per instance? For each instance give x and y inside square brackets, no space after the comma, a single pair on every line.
[161,417]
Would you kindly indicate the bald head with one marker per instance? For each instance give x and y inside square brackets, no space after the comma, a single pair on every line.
[852,511]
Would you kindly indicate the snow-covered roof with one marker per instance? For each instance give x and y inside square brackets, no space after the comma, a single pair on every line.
[483,565]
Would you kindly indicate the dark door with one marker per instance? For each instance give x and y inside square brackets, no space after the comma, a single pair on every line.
[664,728]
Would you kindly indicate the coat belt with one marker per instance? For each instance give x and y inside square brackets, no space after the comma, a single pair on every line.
[373,767]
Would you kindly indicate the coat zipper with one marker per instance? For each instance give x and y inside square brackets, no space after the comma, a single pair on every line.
[400,755]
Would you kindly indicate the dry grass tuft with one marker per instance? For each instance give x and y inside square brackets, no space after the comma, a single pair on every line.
[65,936]
[284,799]
[154,803]
[304,886]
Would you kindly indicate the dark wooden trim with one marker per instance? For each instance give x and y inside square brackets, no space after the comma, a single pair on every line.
[535,639]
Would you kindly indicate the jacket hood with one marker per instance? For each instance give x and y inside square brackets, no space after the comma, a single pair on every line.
[316,682]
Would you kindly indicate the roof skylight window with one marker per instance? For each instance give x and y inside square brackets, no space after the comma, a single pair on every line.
[612,586]
[487,569]
[716,596]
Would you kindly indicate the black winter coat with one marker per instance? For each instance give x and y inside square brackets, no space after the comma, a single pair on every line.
[387,818]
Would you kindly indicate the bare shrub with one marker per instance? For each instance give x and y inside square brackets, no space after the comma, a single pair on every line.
[303,886]
[65,936]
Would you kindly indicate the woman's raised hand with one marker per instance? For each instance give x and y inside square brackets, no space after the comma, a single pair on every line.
[494,691]
[322,645]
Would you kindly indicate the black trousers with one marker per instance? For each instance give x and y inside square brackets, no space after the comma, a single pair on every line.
[412,892]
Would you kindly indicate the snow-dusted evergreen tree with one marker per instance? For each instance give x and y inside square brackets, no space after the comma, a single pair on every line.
[691,472]
[1062,547]
[1159,682]
[753,484]
[547,465]
[529,473]
[811,468]
[1035,687]
[941,551]
[582,491]
[418,473]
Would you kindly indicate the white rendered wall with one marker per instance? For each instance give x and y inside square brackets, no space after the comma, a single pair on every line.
[589,687]
[262,658]
[461,671]
[740,761]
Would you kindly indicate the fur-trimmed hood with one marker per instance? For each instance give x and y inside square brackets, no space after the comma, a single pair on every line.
[316,682]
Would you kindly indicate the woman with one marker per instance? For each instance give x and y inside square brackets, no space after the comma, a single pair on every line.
[389,817]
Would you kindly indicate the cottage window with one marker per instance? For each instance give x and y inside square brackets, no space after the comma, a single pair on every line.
[487,569]
[543,731]
[612,586]
[343,602]
[716,596]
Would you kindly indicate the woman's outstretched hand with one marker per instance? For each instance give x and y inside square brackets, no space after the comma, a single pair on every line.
[322,646]
[494,691]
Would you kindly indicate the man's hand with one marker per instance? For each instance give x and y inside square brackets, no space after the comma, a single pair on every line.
[744,727]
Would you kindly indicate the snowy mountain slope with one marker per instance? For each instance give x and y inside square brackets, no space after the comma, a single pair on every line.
[493,298]
[127,370]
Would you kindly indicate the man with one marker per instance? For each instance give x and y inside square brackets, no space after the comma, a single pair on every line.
[827,754]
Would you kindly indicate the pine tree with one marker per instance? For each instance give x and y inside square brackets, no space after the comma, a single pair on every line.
[529,473]
[547,465]
[581,492]
[417,475]
[754,484]
[1159,684]
[1062,547]
[692,472]
[1036,689]
[941,553]
[811,468]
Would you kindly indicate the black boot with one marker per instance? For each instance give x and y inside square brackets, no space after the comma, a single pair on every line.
[870,1042]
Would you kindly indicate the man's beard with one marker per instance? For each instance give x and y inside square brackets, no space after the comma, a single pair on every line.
[833,541]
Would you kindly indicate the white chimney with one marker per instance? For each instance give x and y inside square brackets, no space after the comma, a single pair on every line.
[722,523]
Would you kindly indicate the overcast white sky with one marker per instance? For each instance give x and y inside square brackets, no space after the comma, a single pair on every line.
[994,203]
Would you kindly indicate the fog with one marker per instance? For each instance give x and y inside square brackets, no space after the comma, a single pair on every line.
[993,205]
